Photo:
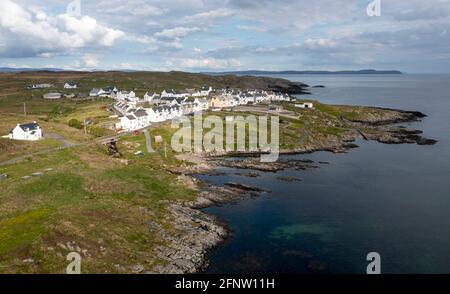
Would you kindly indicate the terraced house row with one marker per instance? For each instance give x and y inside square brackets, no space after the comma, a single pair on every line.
[171,104]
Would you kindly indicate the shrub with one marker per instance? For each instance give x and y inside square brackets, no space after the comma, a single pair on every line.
[74,123]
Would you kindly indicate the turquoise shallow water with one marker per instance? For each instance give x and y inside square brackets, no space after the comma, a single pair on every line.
[392,199]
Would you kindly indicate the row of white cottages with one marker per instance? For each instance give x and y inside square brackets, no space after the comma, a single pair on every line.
[112,92]
[134,118]
[172,104]
[137,118]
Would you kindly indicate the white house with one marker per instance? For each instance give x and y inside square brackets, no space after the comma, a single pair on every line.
[176,111]
[70,85]
[125,95]
[249,98]
[28,132]
[170,101]
[128,123]
[203,92]
[150,98]
[170,93]
[306,105]
[200,104]
[182,94]
[110,92]
[152,115]
[142,117]
[40,86]
[96,92]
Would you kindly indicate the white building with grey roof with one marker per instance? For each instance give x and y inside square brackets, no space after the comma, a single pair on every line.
[26,132]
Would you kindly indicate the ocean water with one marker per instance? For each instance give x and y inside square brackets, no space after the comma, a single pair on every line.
[390,199]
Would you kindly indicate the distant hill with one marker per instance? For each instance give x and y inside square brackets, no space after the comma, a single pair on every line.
[247,72]
[141,82]
[310,72]
[26,69]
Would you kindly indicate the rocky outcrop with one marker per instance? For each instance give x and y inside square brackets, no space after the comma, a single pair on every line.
[245,187]
[185,252]
[255,164]
[390,116]
[196,233]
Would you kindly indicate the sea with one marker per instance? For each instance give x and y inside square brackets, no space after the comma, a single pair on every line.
[390,199]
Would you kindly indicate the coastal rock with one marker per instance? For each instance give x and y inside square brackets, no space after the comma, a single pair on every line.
[254,164]
[249,174]
[197,233]
[245,187]
[289,179]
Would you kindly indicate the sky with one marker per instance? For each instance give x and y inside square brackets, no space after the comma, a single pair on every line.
[226,35]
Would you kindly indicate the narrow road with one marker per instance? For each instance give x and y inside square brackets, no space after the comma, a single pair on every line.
[70,144]
[58,137]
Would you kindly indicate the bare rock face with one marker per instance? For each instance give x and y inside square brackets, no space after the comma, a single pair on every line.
[186,252]
[399,135]
[390,116]
[255,164]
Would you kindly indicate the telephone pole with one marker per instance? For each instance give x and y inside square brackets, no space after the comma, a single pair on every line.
[165,149]
[25,108]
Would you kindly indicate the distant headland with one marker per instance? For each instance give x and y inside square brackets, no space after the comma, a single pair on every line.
[310,72]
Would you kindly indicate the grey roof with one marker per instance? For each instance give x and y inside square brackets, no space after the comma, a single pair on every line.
[140,113]
[31,126]
[166,98]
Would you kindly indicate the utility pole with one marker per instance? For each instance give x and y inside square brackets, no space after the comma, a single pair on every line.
[165,149]
[85,127]
[25,108]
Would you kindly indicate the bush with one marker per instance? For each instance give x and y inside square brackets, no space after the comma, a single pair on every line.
[74,123]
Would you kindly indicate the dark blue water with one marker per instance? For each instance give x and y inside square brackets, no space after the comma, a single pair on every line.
[392,199]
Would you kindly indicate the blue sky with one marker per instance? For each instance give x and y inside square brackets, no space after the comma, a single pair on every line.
[211,35]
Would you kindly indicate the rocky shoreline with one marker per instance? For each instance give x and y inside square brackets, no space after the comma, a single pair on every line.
[198,232]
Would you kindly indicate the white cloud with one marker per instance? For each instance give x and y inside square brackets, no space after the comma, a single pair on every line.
[37,33]
[209,17]
[147,10]
[177,32]
[251,28]
[320,43]
[209,63]
[91,60]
